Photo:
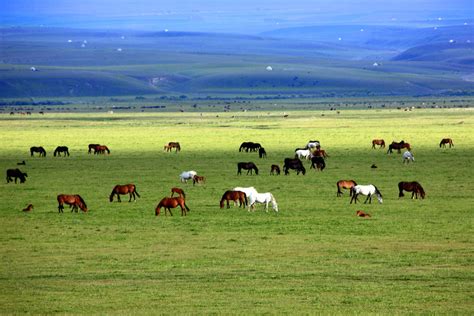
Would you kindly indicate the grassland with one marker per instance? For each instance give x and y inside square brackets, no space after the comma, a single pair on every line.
[314,256]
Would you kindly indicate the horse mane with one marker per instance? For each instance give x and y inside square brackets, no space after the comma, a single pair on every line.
[377,190]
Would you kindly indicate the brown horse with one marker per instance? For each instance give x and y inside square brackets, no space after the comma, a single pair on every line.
[445,141]
[29,208]
[413,187]
[73,201]
[320,153]
[92,147]
[362,214]
[172,145]
[101,149]
[130,189]
[198,179]
[398,146]
[379,142]
[275,169]
[171,202]
[249,166]
[179,191]
[235,196]
[345,184]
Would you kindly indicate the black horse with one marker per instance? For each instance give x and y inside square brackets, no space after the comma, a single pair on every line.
[398,146]
[249,166]
[16,173]
[317,162]
[249,146]
[61,149]
[295,164]
[262,153]
[40,150]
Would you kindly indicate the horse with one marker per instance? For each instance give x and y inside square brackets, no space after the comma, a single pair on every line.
[345,184]
[178,191]
[130,189]
[172,202]
[398,146]
[249,192]
[362,214]
[295,164]
[198,179]
[175,145]
[249,166]
[262,153]
[275,169]
[312,144]
[319,153]
[318,163]
[234,196]
[101,149]
[367,190]
[92,147]
[61,149]
[249,146]
[187,175]
[40,150]
[413,187]
[407,156]
[379,142]
[73,201]
[29,208]
[445,141]
[16,173]
[263,198]
[303,153]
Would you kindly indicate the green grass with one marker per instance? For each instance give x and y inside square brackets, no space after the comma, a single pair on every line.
[413,256]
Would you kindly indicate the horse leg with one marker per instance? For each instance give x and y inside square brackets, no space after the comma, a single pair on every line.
[130,199]
[354,198]
[369,198]
[169,210]
[118,197]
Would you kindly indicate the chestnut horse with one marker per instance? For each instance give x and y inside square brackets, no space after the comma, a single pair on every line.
[445,141]
[179,191]
[172,202]
[29,208]
[398,146]
[235,196]
[198,179]
[345,184]
[73,201]
[413,187]
[101,149]
[379,142]
[362,214]
[130,189]
[40,150]
[172,145]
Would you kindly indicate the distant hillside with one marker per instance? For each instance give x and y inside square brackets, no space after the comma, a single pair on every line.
[453,53]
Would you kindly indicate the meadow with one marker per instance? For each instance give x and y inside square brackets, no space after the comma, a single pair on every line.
[314,256]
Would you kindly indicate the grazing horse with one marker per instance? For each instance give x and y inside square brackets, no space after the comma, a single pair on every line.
[172,202]
[413,187]
[345,184]
[61,149]
[178,191]
[249,166]
[295,164]
[265,198]
[303,153]
[407,156]
[318,163]
[92,147]
[198,179]
[398,146]
[379,142]
[249,192]
[187,175]
[101,149]
[29,208]
[40,150]
[367,190]
[73,201]
[16,173]
[275,169]
[445,141]
[172,145]
[262,153]
[249,146]
[130,189]
[362,214]
[235,196]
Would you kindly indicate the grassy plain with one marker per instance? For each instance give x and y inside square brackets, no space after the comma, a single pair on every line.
[413,256]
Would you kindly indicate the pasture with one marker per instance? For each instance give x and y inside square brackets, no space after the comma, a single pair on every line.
[315,255]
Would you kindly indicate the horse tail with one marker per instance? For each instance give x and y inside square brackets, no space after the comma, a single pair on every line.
[400,189]
[339,192]
[135,190]
[186,207]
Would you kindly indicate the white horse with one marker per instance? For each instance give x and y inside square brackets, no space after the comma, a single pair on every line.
[312,144]
[303,153]
[368,190]
[263,198]
[249,191]
[187,175]
[407,156]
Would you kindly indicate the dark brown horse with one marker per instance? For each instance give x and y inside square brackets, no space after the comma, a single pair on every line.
[249,166]
[178,191]
[295,164]
[362,214]
[172,145]
[29,208]
[413,187]
[345,184]
[236,196]
[262,153]
[318,163]
[73,201]
[92,147]
[379,142]
[398,146]
[16,173]
[445,141]
[130,189]
[275,169]
[40,150]
[101,149]
[61,149]
[172,202]
[198,179]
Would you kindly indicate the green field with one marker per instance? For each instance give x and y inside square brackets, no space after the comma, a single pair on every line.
[314,256]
